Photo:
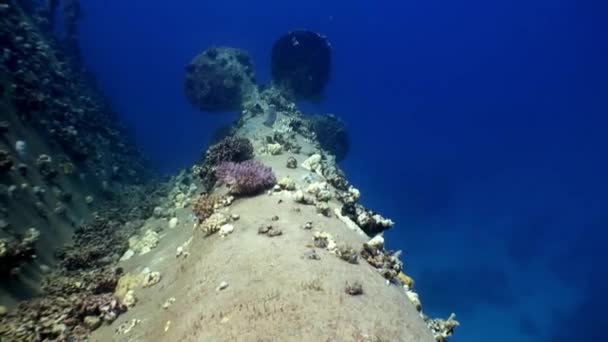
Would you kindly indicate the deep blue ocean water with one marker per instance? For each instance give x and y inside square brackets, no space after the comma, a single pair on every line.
[478,126]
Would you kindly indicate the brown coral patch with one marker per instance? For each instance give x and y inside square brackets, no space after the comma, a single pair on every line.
[204,206]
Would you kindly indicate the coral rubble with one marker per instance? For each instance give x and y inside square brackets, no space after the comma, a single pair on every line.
[16,251]
[386,262]
[354,289]
[49,93]
[442,329]
[79,296]
[369,221]
[68,168]
[104,238]
[68,310]
[6,162]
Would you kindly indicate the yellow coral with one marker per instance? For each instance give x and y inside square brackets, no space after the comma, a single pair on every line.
[127,282]
[68,168]
[213,223]
[406,280]
[204,207]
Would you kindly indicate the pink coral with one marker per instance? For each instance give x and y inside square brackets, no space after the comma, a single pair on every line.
[245,178]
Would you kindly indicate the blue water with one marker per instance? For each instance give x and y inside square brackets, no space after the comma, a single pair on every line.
[478,126]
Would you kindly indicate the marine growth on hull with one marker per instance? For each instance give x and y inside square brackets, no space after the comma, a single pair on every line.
[262,239]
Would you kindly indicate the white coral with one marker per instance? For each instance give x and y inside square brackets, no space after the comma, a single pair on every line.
[376,242]
[214,222]
[313,163]
[226,230]
[274,149]
[300,197]
[287,183]
[414,299]
[363,219]
[384,222]
[327,240]
[144,244]
[323,208]
[320,190]
[353,195]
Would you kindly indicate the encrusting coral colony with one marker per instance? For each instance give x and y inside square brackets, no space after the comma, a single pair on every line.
[263,239]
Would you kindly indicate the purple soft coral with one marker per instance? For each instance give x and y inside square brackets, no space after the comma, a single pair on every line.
[246,178]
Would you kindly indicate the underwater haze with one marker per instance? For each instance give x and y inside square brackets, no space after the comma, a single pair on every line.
[479,127]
